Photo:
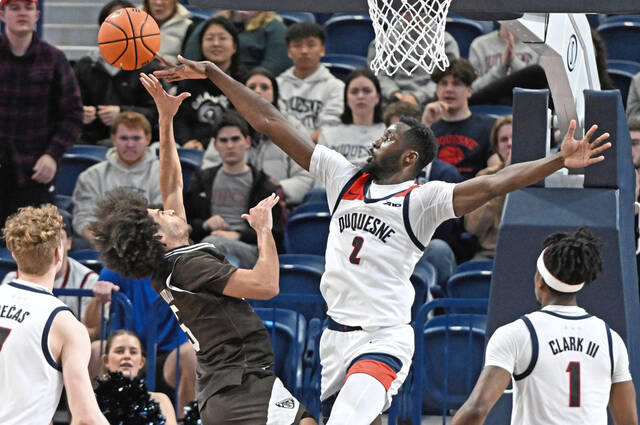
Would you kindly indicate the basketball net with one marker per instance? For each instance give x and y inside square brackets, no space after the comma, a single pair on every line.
[409,36]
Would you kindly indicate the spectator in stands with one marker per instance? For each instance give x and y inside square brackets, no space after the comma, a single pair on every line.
[169,336]
[219,44]
[484,222]
[309,91]
[634,132]
[463,137]
[263,153]
[633,100]
[123,353]
[130,163]
[498,54]
[106,90]
[175,25]
[394,111]
[361,118]
[74,275]
[415,87]
[40,110]
[218,196]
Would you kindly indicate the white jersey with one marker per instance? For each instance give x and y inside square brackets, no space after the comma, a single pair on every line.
[376,236]
[30,379]
[75,276]
[563,361]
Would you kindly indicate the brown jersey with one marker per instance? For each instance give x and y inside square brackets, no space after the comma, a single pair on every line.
[229,337]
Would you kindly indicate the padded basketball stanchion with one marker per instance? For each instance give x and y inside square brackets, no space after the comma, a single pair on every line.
[605,205]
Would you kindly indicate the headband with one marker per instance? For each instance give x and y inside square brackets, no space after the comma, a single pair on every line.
[553,281]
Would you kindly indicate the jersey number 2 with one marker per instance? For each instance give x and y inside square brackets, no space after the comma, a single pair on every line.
[4,333]
[357,246]
[574,384]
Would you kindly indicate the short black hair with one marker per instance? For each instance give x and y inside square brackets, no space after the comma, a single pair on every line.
[459,68]
[230,119]
[301,30]
[573,257]
[106,9]
[126,235]
[347,115]
[237,68]
[421,139]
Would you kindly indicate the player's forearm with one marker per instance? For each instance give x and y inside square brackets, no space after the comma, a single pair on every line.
[263,117]
[170,168]
[468,415]
[267,266]
[517,176]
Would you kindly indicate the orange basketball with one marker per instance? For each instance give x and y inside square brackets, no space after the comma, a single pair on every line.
[129,38]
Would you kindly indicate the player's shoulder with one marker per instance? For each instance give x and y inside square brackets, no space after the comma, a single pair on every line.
[513,330]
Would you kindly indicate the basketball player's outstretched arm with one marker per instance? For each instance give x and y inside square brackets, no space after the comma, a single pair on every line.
[471,194]
[491,384]
[262,115]
[622,403]
[171,183]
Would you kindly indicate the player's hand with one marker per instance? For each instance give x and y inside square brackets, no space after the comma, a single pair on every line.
[167,104]
[45,169]
[185,70]
[214,223]
[102,291]
[108,113]
[193,144]
[581,153]
[260,217]
[88,114]
[433,112]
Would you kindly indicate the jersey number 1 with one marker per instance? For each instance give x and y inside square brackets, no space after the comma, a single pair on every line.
[357,246]
[574,384]
[4,333]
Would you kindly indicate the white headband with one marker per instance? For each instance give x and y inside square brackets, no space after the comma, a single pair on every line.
[553,281]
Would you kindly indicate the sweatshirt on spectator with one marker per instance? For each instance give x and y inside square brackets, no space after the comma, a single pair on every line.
[352,141]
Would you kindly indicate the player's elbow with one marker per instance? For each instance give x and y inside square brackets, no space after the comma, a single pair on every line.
[268,290]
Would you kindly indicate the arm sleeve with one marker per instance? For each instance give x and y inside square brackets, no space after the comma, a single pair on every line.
[510,348]
[68,110]
[431,204]
[332,170]
[633,101]
[621,371]
[201,272]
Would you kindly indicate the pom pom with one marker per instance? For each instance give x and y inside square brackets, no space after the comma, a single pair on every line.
[125,401]
[192,414]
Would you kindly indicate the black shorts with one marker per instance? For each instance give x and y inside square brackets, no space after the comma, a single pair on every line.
[260,397]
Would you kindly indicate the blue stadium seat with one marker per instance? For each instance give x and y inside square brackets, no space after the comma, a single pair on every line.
[96,151]
[340,65]
[622,80]
[300,276]
[424,279]
[315,196]
[464,31]
[72,165]
[288,332]
[293,17]
[80,293]
[194,155]
[621,18]
[622,39]
[87,257]
[304,208]
[447,361]
[64,202]
[307,233]
[471,284]
[312,368]
[624,65]
[349,33]
[492,110]
[189,167]
[7,263]
[474,265]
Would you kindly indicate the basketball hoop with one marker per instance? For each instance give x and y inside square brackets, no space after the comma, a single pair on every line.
[409,36]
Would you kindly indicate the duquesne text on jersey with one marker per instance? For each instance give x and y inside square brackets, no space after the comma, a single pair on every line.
[366,222]
[573,343]
[13,313]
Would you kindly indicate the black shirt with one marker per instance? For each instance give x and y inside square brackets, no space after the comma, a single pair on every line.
[229,337]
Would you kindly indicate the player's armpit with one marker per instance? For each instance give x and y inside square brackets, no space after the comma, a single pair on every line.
[622,403]
[74,350]
[490,386]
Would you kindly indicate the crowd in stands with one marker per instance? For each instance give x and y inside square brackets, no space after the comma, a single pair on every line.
[47,105]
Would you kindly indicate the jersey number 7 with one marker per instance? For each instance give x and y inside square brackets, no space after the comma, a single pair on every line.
[4,333]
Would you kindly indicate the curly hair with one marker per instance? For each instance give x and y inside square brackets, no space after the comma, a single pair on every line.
[32,235]
[126,235]
[573,257]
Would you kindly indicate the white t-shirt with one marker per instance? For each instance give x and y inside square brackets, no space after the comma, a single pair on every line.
[572,375]
[375,240]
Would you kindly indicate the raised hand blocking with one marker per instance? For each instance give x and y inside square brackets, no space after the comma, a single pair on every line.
[186,70]
[581,153]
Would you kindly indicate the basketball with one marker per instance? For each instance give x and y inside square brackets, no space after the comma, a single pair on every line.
[129,38]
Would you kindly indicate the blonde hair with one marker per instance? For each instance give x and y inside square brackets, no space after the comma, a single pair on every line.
[32,236]
[493,137]
[257,21]
[132,120]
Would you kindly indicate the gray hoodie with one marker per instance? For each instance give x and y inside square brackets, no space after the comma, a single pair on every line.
[93,184]
[316,101]
[633,101]
[419,83]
